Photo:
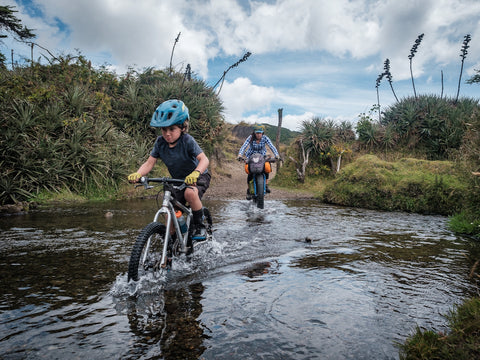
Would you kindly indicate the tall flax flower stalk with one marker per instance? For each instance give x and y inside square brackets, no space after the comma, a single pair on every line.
[463,55]
[441,75]
[410,57]
[171,55]
[388,75]
[377,85]
[222,78]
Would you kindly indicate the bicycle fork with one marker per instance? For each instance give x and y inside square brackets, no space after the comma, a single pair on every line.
[168,209]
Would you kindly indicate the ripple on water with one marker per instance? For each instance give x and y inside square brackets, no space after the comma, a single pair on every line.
[257,290]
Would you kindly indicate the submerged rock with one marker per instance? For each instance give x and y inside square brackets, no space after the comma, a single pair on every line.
[12,208]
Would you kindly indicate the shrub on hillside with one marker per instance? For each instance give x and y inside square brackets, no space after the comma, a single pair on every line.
[68,126]
[433,125]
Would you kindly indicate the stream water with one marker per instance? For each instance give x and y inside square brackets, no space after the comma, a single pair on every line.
[297,280]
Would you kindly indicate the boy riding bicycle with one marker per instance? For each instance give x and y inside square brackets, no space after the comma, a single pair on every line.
[183,157]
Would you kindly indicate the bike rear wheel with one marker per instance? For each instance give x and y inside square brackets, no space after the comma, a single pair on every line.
[260,190]
[146,254]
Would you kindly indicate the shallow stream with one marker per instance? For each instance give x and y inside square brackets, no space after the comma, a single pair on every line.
[298,280]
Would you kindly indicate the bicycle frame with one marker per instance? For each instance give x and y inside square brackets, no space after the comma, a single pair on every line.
[162,240]
[169,203]
[168,208]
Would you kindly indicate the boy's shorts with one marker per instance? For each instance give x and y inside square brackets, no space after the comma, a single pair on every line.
[203,183]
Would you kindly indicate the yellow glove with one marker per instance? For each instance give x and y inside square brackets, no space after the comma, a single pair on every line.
[192,178]
[133,178]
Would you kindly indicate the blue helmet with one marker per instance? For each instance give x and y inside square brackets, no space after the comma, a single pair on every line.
[168,113]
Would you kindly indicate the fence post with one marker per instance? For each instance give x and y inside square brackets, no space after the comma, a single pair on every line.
[277,140]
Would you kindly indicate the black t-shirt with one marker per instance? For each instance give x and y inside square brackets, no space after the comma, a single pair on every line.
[180,160]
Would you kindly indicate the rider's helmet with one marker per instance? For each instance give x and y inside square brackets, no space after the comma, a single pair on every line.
[259,128]
[168,113]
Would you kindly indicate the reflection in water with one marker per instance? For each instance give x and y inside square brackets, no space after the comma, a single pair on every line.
[166,324]
[362,282]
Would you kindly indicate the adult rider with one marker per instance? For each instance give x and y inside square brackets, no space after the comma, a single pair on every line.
[256,143]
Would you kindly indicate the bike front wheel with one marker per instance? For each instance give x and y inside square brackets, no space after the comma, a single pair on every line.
[146,256]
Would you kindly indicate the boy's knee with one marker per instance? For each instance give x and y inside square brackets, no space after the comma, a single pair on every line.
[191,193]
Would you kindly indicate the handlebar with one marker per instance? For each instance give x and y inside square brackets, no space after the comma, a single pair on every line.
[144,181]
[177,183]
[267,158]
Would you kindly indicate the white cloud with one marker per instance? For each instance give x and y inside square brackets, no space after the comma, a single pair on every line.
[291,122]
[242,96]
[309,56]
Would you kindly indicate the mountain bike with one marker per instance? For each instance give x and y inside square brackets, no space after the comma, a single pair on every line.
[159,242]
[258,166]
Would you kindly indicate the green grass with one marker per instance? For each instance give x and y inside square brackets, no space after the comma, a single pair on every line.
[461,343]
[405,185]
[465,223]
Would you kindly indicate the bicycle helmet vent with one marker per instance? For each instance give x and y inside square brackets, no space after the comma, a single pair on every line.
[168,113]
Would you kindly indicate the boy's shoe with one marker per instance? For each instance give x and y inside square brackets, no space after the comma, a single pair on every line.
[249,196]
[267,189]
[199,233]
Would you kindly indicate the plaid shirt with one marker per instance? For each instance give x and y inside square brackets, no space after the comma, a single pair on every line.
[257,147]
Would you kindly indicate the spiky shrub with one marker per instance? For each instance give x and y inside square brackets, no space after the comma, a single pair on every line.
[374,135]
[83,130]
[141,93]
[325,140]
[73,154]
[430,124]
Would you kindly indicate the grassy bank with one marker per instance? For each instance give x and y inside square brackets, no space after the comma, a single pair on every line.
[412,185]
[461,343]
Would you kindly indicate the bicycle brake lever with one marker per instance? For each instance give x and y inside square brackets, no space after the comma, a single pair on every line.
[145,186]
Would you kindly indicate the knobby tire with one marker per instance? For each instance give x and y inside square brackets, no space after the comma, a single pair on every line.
[156,232]
[260,191]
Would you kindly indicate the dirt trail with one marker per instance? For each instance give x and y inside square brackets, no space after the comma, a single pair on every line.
[230,182]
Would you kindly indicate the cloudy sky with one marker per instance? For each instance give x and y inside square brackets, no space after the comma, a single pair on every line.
[309,57]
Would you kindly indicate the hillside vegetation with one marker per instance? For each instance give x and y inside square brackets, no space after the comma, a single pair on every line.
[68,127]
[74,129]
